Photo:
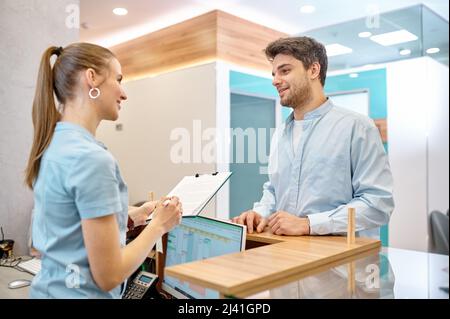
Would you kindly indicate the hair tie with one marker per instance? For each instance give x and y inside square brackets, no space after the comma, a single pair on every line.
[59,50]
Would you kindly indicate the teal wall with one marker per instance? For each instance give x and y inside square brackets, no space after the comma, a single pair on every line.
[250,84]
[375,82]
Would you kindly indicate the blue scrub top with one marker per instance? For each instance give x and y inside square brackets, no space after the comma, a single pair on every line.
[78,179]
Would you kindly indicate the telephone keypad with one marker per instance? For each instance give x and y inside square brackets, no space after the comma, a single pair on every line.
[140,285]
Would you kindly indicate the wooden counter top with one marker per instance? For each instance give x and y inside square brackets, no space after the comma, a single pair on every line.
[280,258]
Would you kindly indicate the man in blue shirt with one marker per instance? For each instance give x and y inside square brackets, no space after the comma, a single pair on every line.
[323,159]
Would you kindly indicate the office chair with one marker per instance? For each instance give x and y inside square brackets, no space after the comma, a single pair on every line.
[439,232]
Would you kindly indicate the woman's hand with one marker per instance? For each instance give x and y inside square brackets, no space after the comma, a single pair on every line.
[168,213]
[140,214]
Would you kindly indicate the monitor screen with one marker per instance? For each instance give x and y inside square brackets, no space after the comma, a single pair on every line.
[198,238]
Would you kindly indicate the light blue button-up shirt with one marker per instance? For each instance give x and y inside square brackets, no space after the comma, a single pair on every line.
[340,163]
[78,179]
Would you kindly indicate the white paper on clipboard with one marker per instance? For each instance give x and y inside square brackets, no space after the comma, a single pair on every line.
[195,192]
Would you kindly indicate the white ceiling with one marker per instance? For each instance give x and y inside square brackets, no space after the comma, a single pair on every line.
[145,16]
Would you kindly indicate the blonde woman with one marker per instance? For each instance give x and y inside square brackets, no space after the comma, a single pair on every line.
[80,199]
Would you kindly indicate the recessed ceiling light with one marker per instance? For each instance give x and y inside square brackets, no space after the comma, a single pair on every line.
[433,50]
[353,75]
[364,34]
[307,9]
[337,49]
[120,11]
[391,38]
[405,52]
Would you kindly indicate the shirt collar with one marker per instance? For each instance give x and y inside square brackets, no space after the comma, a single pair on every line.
[317,112]
[67,126]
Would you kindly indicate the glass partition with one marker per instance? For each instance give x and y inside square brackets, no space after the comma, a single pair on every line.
[383,37]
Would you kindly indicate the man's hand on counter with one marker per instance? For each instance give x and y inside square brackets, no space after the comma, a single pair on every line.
[252,220]
[283,223]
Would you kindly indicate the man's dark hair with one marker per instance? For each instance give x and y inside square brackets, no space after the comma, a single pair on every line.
[305,49]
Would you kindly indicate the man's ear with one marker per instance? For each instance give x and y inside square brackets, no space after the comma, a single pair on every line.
[315,70]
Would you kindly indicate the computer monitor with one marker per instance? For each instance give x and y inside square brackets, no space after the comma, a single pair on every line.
[197,238]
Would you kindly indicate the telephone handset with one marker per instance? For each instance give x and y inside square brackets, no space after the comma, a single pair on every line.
[141,286]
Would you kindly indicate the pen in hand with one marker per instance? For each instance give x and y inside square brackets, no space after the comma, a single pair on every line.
[164,204]
[167,202]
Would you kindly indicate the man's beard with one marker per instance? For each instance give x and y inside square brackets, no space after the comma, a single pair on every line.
[299,97]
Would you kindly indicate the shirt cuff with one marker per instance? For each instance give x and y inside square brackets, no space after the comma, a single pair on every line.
[88,212]
[262,210]
[320,224]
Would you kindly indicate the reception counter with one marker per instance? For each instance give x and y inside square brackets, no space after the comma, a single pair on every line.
[270,260]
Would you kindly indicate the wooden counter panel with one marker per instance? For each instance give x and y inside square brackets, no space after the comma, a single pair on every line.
[234,273]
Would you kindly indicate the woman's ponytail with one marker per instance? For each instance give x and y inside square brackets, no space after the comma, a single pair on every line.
[44,115]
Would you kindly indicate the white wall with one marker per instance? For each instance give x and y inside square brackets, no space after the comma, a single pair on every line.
[438,137]
[27,28]
[156,106]
[223,142]
[417,120]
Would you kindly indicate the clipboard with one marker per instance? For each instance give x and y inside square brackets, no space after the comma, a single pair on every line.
[195,192]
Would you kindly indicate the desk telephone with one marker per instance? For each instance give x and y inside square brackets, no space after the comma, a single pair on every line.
[142,286]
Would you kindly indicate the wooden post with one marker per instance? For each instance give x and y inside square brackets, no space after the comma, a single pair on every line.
[160,257]
[351,285]
[351,226]
[160,262]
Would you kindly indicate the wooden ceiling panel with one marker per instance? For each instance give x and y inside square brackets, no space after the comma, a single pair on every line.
[214,35]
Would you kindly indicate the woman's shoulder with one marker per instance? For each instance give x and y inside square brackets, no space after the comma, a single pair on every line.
[73,147]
